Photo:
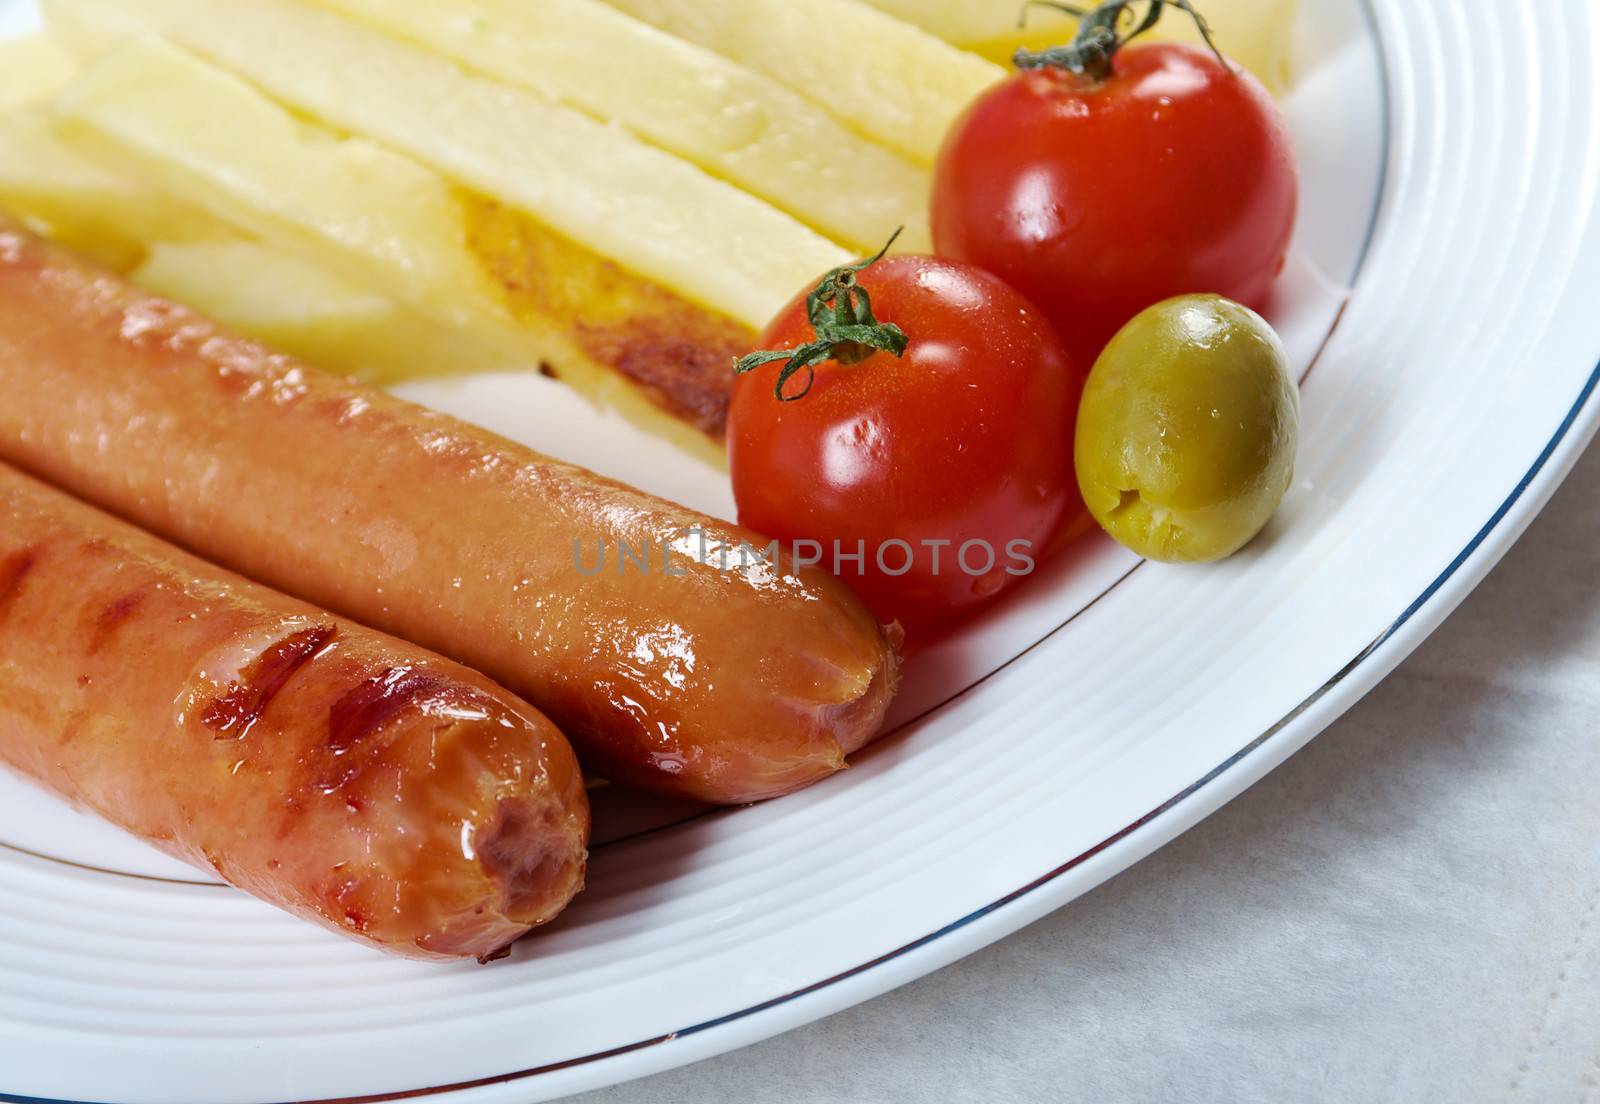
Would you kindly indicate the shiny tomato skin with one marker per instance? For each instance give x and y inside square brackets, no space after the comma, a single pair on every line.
[967,437]
[1096,200]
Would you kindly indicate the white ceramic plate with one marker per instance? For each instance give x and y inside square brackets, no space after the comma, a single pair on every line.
[1442,302]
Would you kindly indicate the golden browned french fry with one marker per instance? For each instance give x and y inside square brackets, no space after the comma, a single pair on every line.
[383,223]
[597,186]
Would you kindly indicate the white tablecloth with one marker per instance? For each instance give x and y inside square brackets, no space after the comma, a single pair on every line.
[1407,910]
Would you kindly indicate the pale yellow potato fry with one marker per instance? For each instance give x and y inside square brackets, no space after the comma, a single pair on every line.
[301,309]
[1258,34]
[890,80]
[193,131]
[31,68]
[967,23]
[655,214]
[372,217]
[1254,33]
[106,215]
[731,121]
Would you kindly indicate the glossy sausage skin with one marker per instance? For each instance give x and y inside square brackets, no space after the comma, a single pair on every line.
[722,685]
[348,777]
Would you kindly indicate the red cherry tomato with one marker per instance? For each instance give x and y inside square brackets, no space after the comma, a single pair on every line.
[947,469]
[1096,199]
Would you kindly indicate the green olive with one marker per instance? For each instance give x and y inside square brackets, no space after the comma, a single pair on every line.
[1188,429]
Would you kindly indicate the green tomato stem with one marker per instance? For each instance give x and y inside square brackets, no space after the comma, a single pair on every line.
[1098,39]
[840,312]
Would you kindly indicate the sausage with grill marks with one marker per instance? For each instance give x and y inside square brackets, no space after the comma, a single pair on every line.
[346,776]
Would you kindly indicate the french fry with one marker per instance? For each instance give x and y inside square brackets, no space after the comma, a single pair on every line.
[105,215]
[31,68]
[890,80]
[1258,34]
[300,309]
[597,185]
[380,221]
[192,131]
[183,253]
[1254,33]
[733,122]
[971,23]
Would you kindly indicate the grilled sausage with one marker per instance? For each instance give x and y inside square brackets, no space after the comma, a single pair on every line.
[348,777]
[711,673]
